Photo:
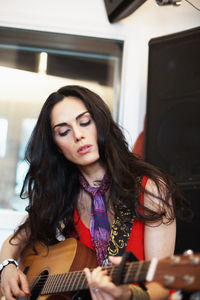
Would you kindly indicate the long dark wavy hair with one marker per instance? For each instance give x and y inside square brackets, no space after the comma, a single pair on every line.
[52,182]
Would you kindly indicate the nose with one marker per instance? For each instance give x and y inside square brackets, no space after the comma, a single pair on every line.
[78,134]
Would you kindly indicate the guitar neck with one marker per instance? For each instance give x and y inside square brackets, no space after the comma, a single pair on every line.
[176,272]
[74,281]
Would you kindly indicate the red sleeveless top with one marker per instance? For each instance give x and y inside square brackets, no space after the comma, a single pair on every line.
[136,239]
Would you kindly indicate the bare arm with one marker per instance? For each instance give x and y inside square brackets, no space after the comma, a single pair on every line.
[159,241]
[13,250]
[13,281]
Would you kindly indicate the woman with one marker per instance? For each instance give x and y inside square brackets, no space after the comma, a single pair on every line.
[82,178]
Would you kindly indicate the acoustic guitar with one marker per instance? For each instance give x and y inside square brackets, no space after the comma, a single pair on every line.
[56,272]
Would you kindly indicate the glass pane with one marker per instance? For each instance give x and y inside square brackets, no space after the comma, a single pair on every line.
[27,126]
[3,136]
[33,65]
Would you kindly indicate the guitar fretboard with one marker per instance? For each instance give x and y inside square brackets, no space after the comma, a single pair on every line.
[74,281]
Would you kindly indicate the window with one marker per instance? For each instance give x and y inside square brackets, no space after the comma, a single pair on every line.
[32,65]
[3,136]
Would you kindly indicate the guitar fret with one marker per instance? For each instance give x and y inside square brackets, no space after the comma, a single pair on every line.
[137,273]
[133,272]
[53,283]
[144,266]
[76,280]
[127,273]
[70,281]
[45,289]
[67,282]
[73,284]
[63,282]
[84,283]
[124,277]
[79,281]
[66,286]
[56,282]
[53,286]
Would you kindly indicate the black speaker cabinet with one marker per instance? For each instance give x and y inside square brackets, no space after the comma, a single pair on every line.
[188,232]
[172,139]
[172,132]
[119,9]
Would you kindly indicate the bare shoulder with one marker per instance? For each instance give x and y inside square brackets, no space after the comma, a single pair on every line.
[157,198]
[154,193]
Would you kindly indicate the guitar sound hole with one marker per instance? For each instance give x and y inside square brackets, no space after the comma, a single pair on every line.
[37,287]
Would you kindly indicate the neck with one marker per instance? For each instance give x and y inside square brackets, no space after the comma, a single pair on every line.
[93,173]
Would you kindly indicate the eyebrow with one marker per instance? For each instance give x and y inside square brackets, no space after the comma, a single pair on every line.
[65,124]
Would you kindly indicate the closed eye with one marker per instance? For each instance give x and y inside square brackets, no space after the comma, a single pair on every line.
[85,123]
[82,123]
[64,133]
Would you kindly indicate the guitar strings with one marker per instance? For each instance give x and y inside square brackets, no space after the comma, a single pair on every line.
[109,269]
[70,276]
[82,282]
[65,288]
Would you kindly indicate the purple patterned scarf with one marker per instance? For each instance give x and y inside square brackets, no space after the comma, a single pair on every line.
[99,224]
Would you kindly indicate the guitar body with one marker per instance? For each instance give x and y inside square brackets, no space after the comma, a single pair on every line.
[67,256]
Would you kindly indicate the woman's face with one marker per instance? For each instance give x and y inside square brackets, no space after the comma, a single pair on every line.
[75,132]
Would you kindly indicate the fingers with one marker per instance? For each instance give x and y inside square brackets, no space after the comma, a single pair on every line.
[14,283]
[102,287]
[11,293]
[24,283]
[115,260]
[7,293]
[97,279]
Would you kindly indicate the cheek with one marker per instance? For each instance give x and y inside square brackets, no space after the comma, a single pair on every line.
[96,137]
[63,146]
[94,134]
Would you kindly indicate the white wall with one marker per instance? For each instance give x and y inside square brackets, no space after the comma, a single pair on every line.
[9,220]
[88,17]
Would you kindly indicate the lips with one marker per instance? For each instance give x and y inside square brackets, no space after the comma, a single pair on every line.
[84,149]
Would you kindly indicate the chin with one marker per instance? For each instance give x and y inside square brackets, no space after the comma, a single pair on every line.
[89,162]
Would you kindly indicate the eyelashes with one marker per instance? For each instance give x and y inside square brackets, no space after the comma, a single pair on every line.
[83,124]
[64,133]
